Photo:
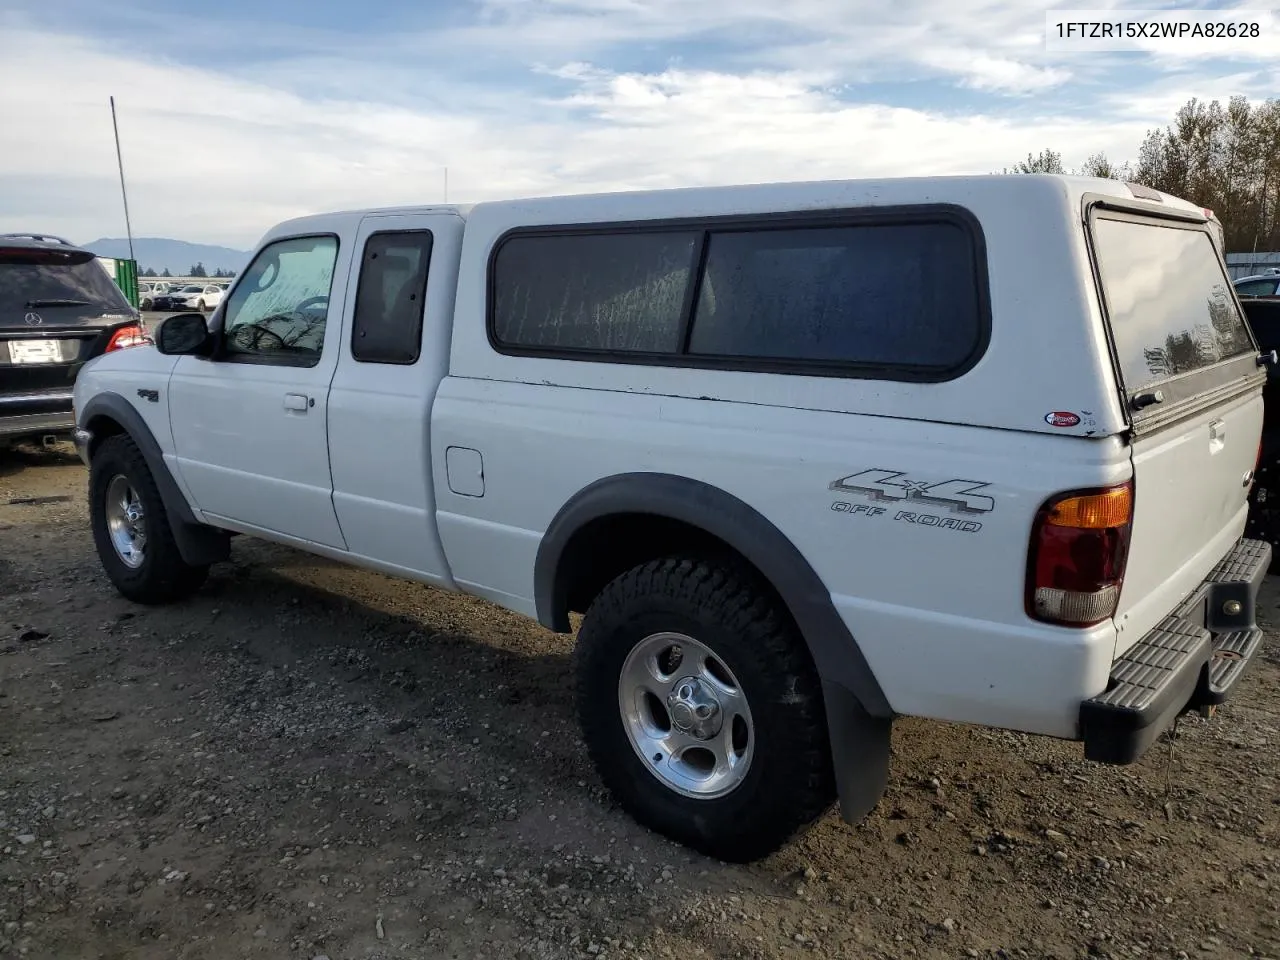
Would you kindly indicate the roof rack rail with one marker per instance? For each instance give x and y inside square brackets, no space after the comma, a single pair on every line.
[37,236]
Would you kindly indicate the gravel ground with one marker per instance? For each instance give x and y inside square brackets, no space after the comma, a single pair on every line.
[306,760]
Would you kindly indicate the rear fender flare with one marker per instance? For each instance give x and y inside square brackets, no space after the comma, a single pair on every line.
[859,716]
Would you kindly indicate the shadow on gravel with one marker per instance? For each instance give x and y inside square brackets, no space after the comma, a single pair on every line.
[406,662]
[18,458]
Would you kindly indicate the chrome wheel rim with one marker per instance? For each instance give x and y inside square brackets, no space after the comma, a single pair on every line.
[686,715]
[126,522]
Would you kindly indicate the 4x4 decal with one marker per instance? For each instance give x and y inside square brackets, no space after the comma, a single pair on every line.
[957,495]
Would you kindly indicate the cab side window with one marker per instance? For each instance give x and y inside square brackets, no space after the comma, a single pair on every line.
[279,311]
[390,297]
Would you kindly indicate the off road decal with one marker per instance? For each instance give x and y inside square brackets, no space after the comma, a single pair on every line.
[958,496]
[908,516]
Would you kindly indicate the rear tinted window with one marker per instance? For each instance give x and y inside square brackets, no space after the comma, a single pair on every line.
[1168,299]
[24,283]
[622,292]
[882,295]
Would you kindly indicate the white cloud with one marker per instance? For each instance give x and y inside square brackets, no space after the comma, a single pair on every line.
[983,72]
[218,156]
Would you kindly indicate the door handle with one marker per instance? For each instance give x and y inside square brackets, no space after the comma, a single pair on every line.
[296,401]
[1217,436]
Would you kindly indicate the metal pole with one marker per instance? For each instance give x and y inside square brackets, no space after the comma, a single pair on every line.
[446,184]
[120,163]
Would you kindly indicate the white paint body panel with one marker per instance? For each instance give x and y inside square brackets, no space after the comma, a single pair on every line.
[939,612]
[914,597]
[252,439]
[378,424]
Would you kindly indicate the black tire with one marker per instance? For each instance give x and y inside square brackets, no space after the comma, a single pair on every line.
[163,576]
[789,783]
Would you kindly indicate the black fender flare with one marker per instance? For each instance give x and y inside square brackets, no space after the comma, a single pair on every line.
[859,716]
[198,543]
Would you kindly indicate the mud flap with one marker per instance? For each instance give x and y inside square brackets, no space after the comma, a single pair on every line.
[860,746]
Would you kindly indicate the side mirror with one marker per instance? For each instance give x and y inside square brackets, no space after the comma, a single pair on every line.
[184,334]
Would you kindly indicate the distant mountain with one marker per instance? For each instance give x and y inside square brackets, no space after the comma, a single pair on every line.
[178,256]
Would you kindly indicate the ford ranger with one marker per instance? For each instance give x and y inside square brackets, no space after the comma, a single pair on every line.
[807,457]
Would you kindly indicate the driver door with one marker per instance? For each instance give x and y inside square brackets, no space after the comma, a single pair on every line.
[249,425]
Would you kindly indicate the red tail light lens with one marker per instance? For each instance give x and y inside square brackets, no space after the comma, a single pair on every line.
[1079,546]
[134,335]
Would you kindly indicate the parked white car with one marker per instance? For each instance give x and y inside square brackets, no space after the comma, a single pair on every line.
[211,296]
[195,296]
[808,457]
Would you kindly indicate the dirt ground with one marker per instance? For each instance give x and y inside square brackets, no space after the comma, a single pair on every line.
[308,761]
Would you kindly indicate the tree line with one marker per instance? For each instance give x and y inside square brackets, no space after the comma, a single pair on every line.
[197,270]
[1225,157]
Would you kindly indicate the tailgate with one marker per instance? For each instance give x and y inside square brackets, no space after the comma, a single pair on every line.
[1191,488]
[1189,371]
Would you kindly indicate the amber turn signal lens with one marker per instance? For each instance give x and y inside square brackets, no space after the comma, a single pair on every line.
[1095,511]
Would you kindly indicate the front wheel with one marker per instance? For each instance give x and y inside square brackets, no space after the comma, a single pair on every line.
[201,307]
[131,528]
[702,710]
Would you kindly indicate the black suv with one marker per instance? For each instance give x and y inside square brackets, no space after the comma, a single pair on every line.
[1264,499]
[58,309]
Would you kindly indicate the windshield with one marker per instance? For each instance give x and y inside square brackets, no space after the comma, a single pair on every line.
[1168,299]
[81,288]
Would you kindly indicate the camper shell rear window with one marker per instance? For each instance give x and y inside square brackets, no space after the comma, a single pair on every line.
[1169,305]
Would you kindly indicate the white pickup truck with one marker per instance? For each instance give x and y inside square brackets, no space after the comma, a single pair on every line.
[807,456]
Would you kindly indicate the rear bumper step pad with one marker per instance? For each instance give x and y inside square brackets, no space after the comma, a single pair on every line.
[1192,659]
[1231,654]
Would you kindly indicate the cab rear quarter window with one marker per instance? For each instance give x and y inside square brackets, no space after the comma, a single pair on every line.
[893,293]
[390,297]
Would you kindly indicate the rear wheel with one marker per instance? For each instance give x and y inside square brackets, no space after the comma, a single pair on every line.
[131,528]
[201,307]
[702,710]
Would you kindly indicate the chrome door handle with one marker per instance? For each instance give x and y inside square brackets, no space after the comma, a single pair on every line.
[1218,430]
[296,401]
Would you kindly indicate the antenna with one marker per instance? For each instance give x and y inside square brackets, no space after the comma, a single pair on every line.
[446,184]
[120,163]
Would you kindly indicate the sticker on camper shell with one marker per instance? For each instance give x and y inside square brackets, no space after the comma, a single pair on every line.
[1062,418]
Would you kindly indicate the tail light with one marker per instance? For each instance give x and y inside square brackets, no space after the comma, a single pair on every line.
[1079,546]
[134,335]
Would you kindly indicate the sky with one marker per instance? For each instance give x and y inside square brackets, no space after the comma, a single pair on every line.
[236,114]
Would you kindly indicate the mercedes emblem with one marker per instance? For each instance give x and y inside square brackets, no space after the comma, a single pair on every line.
[33,319]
